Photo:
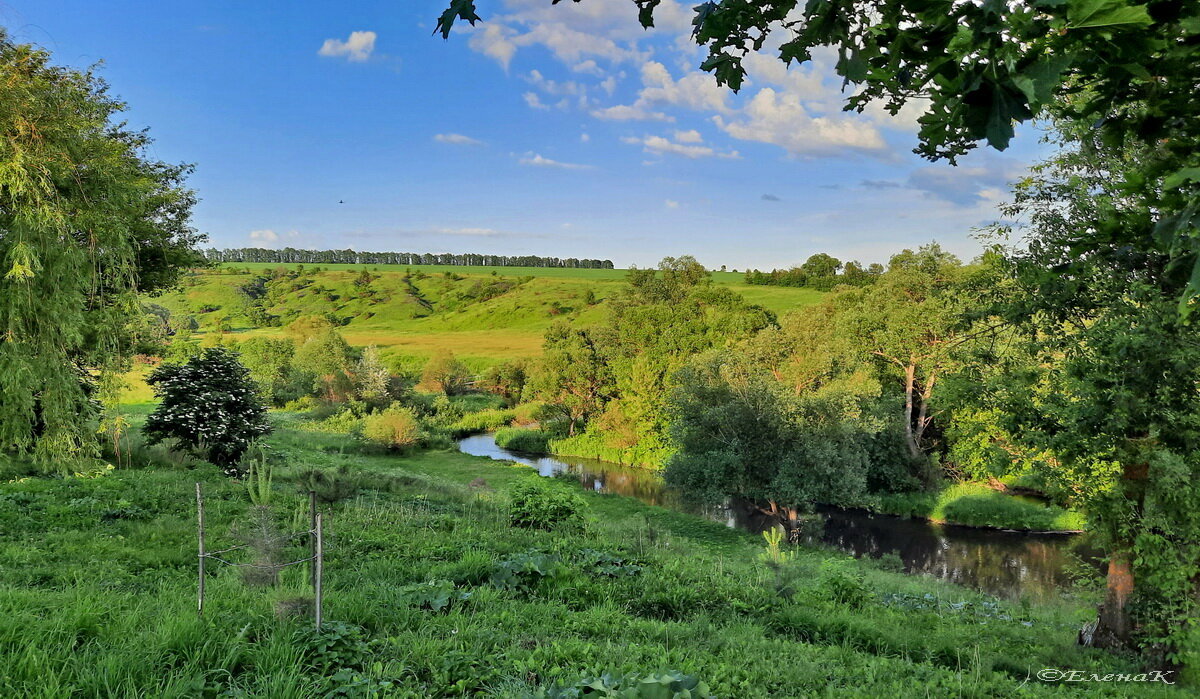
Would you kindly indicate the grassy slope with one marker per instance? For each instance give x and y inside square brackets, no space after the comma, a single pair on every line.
[505,327]
[97,584]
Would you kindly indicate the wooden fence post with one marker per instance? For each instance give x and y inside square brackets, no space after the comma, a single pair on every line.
[318,570]
[312,537]
[200,528]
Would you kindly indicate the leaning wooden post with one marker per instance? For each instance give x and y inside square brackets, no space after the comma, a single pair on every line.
[200,529]
[312,537]
[318,571]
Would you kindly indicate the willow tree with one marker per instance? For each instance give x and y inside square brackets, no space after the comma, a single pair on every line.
[86,224]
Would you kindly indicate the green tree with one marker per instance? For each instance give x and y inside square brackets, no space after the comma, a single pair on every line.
[269,360]
[446,374]
[86,222]
[913,320]
[209,405]
[506,380]
[327,358]
[572,377]
[739,434]
[821,265]
[1102,399]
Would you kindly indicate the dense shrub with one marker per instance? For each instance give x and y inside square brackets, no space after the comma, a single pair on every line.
[210,404]
[842,582]
[395,428]
[544,504]
[445,374]
[519,439]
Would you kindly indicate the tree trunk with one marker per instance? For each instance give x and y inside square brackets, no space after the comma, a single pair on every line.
[910,380]
[1114,628]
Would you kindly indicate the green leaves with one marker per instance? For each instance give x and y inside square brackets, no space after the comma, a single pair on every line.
[727,69]
[459,9]
[1087,14]
[1181,177]
[1038,81]
[645,12]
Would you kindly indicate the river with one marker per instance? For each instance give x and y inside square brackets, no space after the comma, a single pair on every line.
[1006,564]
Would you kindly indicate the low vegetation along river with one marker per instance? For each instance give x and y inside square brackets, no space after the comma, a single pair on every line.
[1007,564]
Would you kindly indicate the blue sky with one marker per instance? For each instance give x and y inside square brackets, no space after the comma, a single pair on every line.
[564,131]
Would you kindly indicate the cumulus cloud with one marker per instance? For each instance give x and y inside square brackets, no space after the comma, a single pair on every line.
[690,146]
[781,119]
[537,160]
[457,139]
[494,40]
[268,238]
[626,112]
[356,49]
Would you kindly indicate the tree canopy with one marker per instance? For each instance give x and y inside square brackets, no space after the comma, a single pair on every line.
[86,223]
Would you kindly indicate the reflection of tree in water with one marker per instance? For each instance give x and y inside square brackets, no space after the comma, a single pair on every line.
[1001,563]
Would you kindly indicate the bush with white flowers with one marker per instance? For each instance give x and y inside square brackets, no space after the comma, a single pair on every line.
[209,405]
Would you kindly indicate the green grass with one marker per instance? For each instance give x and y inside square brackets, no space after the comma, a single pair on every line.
[97,595]
[978,505]
[523,440]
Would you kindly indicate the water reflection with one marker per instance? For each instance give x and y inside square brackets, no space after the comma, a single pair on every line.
[1000,563]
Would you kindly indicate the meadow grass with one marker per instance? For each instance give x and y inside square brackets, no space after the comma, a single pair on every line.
[97,596]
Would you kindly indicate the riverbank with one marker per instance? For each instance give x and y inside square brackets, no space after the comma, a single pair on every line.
[97,595]
[967,504]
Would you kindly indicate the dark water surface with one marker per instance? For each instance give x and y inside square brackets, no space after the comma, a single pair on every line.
[1007,564]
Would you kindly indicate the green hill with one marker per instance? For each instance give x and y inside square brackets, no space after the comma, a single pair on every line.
[483,314]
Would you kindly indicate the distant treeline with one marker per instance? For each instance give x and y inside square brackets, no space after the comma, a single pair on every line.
[821,271]
[290,255]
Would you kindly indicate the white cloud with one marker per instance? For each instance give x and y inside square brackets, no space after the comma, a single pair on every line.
[475,232]
[356,49]
[535,102]
[671,204]
[537,160]
[659,145]
[625,112]
[495,42]
[690,136]
[781,119]
[696,90]
[584,138]
[457,139]
[269,238]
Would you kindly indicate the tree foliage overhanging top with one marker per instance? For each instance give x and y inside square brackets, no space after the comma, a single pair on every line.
[1124,69]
